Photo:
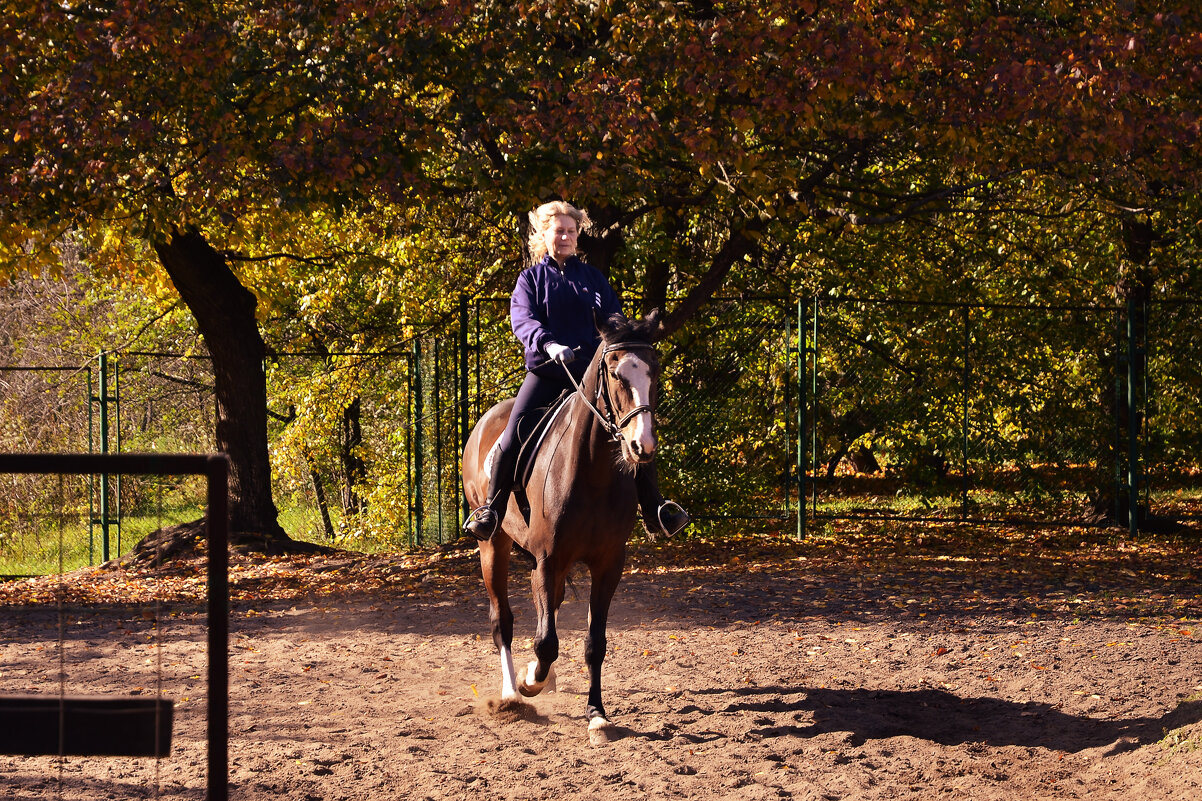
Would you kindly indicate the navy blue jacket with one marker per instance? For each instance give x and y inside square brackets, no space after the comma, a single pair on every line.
[550,305]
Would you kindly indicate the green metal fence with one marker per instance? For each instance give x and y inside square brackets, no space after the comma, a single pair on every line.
[727,385]
[997,413]
[49,408]
[863,408]
[1172,435]
[728,444]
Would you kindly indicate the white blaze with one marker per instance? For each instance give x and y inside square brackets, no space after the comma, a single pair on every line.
[637,375]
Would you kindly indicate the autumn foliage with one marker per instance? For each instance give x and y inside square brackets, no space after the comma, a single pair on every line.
[304,152]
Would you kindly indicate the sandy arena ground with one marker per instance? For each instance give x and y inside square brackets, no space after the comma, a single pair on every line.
[751,670]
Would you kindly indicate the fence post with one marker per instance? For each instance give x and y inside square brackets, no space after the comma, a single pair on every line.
[418,411]
[964,419]
[217,522]
[801,421]
[103,398]
[1116,428]
[464,422]
[117,443]
[1133,460]
[91,477]
[436,398]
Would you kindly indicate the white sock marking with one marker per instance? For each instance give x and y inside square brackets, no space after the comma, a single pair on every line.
[509,676]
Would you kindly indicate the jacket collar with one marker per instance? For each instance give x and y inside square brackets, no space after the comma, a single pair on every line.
[571,263]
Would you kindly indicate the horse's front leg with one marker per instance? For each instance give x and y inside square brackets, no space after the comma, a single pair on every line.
[494,564]
[595,646]
[548,594]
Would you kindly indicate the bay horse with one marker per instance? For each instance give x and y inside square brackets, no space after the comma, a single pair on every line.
[581,499]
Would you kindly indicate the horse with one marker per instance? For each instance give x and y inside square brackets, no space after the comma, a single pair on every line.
[581,504]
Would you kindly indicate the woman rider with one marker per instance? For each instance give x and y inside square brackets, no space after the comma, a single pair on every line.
[551,312]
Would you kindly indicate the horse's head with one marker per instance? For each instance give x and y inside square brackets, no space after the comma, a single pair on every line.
[629,382]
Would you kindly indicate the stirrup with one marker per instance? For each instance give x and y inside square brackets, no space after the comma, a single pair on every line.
[663,525]
[480,518]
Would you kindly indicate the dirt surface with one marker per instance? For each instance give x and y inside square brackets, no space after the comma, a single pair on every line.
[879,666]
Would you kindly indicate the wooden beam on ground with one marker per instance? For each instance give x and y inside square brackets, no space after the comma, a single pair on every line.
[82,725]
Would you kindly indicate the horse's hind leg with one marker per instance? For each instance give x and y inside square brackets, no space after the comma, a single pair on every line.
[494,564]
[548,594]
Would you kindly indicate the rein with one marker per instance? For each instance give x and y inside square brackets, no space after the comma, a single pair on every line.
[611,426]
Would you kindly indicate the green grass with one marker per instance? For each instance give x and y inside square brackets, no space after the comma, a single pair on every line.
[1185,739]
[303,522]
[33,547]
[36,553]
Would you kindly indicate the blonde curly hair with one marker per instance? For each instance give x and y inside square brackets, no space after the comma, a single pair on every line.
[541,219]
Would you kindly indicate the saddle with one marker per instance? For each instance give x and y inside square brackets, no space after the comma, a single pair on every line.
[531,432]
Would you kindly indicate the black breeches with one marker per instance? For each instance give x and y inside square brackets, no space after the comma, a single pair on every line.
[536,391]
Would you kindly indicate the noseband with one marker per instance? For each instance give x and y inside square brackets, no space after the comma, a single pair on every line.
[612,426]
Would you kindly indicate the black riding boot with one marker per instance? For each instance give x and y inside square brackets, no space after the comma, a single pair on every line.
[660,517]
[485,521]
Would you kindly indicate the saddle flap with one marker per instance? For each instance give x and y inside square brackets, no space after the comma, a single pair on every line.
[530,440]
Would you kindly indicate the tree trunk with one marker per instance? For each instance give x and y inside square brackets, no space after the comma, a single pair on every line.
[657,273]
[352,466]
[323,505]
[225,314]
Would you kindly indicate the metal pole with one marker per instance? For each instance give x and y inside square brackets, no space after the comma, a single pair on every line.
[476,371]
[802,398]
[788,479]
[1145,362]
[464,422]
[417,447]
[104,449]
[964,418]
[1116,425]
[812,354]
[117,442]
[1132,425]
[217,522]
[91,477]
[409,444]
[437,398]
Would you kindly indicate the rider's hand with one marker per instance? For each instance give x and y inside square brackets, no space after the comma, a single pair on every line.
[560,353]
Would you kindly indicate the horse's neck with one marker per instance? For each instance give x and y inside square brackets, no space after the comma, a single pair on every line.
[591,443]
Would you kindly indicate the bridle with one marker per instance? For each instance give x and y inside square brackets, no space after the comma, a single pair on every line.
[612,427]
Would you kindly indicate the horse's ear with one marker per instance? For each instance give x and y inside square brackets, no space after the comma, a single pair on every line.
[605,324]
[655,324]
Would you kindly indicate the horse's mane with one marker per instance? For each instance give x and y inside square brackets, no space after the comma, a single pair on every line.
[619,329]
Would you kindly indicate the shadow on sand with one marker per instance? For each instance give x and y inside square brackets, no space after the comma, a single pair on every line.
[948,719]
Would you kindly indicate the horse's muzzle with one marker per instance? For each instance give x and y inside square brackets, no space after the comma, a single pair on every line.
[640,452]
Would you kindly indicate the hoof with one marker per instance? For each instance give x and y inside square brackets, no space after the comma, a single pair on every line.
[530,688]
[602,732]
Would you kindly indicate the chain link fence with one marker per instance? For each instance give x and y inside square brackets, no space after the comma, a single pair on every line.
[999,413]
[1173,433]
[46,409]
[862,408]
[726,386]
